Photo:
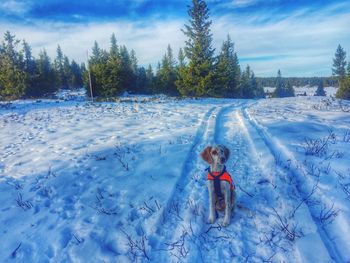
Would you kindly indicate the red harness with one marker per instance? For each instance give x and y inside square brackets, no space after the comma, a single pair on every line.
[223,176]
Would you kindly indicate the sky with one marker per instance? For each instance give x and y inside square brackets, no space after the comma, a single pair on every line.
[299,37]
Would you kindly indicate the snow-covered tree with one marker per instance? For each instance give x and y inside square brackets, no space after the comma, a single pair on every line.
[283,90]
[320,90]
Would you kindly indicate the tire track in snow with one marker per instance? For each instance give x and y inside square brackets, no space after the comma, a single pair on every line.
[182,216]
[247,238]
[277,149]
[238,242]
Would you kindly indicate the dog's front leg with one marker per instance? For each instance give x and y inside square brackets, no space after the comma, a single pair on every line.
[227,195]
[211,191]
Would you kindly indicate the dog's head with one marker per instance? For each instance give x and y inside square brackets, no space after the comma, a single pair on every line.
[216,154]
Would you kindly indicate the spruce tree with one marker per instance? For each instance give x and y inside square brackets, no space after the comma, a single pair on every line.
[141,81]
[283,90]
[181,58]
[279,90]
[97,66]
[12,76]
[257,88]
[320,90]
[96,54]
[167,74]
[247,85]
[111,71]
[134,84]
[29,67]
[149,80]
[339,63]
[45,76]
[62,79]
[289,90]
[76,80]
[197,79]
[28,59]
[67,72]
[344,89]
[228,71]
[126,75]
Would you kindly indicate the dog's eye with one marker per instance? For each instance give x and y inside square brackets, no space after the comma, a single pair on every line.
[214,152]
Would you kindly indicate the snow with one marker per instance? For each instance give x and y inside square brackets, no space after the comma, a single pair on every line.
[123,181]
[309,90]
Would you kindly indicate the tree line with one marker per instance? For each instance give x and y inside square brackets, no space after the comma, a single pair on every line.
[195,72]
[24,76]
[298,81]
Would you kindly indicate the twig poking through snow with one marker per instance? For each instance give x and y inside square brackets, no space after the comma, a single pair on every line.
[14,253]
[25,205]
[244,191]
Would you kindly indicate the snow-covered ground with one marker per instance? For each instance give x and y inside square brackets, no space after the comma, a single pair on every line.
[123,182]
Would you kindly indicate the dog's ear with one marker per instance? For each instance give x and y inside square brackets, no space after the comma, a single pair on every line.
[206,155]
[226,152]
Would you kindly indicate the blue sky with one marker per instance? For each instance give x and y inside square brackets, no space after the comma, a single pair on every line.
[299,37]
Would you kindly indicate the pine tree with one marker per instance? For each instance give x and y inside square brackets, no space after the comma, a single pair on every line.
[96,54]
[111,71]
[141,81]
[97,66]
[289,90]
[167,74]
[28,59]
[257,88]
[181,58]
[44,77]
[12,76]
[198,78]
[29,67]
[348,68]
[134,84]
[149,80]
[228,71]
[283,90]
[279,90]
[76,80]
[67,72]
[246,85]
[344,90]
[339,63]
[114,50]
[181,70]
[62,79]
[320,90]
[127,76]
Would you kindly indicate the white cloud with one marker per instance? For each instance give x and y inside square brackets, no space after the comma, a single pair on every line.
[14,7]
[243,3]
[299,45]
[148,38]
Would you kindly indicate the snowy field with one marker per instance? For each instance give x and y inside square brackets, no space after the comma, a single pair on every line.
[123,182]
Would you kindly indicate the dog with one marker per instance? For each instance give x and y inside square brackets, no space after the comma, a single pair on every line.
[220,186]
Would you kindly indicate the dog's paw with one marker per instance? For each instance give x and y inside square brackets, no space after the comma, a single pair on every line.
[211,219]
[226,221]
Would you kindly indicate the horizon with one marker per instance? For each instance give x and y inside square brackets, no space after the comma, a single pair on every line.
[296,37]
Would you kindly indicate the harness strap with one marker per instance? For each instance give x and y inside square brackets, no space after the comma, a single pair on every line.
[217,186]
